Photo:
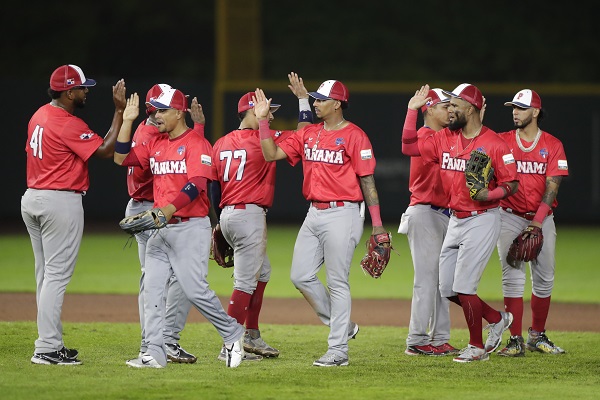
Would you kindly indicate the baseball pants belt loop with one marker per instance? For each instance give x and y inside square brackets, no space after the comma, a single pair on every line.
[243,206]
[529,216]
[445,211]
[178,220]
[324,205]
[467,214]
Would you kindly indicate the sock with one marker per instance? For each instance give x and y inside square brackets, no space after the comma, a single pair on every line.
[255,306]
[490,314]
[454,299]
[514,305]
[539,312]
[471,305]
[238,306]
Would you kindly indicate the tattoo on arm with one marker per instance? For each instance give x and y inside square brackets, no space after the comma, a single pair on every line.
[552,184]
[367,185]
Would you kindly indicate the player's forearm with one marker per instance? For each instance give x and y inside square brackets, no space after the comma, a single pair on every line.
[305,115]
[123,142]
[107,148]
[269,148]
[410,145]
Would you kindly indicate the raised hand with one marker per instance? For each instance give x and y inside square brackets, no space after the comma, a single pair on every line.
[262,105]
[297,86]
[420,98]
[119,95]
[132,109]
[196,112]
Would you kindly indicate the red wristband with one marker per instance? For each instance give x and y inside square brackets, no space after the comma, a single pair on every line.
[542,212]
[264,130]
[375,215]
[501,192]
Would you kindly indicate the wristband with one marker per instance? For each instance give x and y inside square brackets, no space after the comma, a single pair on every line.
[122,148]
[496,194]
[263,128]
[375,215]
[542,212]
[305,116]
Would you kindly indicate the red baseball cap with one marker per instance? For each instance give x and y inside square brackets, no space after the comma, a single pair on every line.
[468,93]
[437,96]
[154,91]
[331,90]
[169,98]
[526,98]
[246,103]
[67,77]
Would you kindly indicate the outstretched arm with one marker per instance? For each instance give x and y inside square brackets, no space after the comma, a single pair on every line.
[107,148]
[262,105]
[305,116]
[367,185]
[410,146]
[123,145]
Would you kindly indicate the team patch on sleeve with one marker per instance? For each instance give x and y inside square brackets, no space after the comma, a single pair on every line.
[562,164]
[206,159]
[508,159]
[366,154]
[86,135]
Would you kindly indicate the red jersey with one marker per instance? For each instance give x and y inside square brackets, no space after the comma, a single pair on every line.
[58,148]
[239,165]
[332,161]
[172,163]
[139,180]
[445,147]
[547,158]
[425,184]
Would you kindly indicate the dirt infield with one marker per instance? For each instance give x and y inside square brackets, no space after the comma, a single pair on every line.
[123,308]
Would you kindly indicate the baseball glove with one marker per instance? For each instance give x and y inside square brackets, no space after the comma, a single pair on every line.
[378,254]
[149,219]
[220,250]
[478,172]
[526,246]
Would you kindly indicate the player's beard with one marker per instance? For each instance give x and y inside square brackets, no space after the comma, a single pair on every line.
[523,124]
[79,103]
[459,122]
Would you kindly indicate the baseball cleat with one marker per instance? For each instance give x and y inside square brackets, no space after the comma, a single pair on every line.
[331,360]
[253,343]
[54,358]
[445,349]
[234,353]
[145,361]
[176,354]
[495,334]
[538,341]
[247,356]
[470,354]
[353,330]
[425,350]
[515,347]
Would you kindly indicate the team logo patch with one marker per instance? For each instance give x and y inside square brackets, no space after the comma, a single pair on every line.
[508,159]
[70,81]
[181,150]
[86,135]
[339,141]
[277,133]
[366,154]
[205,159]
[562,165]
[132,143]
[481,149]
[544,153]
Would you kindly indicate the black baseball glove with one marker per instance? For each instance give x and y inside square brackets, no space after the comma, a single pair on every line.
[478,172]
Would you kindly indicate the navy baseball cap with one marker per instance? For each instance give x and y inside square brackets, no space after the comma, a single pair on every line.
[331,90]
[67,77]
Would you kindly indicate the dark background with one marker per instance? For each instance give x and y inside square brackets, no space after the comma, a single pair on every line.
[382,50]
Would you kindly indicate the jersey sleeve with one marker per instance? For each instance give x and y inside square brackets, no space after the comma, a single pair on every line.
[503,162]
[78,137]
[362,156]
[557,159]
[199,161]
[293,146]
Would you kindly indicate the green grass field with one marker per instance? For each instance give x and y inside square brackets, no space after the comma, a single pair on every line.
[378,367]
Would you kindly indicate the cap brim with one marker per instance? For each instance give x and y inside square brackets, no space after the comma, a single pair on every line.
[516,103]
[158,105]
[449,94]
[88,82]
[318,96]
[275,107]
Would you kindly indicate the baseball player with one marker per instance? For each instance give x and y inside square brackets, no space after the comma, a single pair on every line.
[425,223]
[181,162]
[474,224]
[139,185]
[59,145]
[338,165]
[541,164]
[241,195]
